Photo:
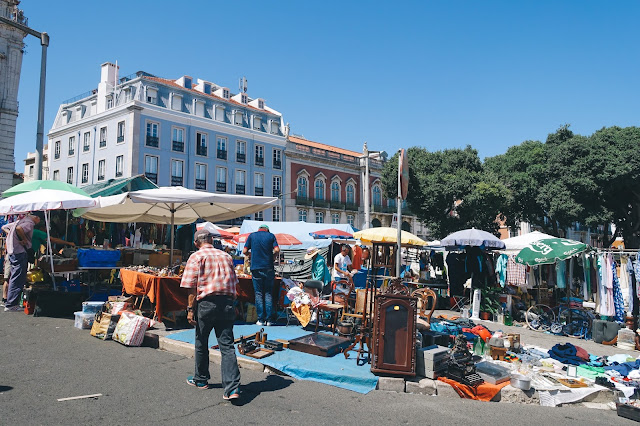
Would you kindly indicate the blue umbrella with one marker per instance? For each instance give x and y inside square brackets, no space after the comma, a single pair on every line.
[474,238]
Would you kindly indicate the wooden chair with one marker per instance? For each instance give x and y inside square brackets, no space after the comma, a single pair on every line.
[423,295]
[339,303]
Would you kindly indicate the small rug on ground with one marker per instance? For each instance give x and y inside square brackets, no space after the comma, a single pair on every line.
[336,371]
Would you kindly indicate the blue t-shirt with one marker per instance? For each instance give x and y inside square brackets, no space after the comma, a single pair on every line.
[261,244]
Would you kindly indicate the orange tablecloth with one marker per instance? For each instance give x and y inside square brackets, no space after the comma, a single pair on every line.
[164,292]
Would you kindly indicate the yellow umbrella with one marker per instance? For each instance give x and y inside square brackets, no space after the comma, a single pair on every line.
[387,235]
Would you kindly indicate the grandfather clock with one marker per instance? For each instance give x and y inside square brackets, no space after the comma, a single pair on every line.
[394,331]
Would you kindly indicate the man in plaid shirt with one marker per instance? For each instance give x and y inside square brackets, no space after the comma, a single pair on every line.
[211,280]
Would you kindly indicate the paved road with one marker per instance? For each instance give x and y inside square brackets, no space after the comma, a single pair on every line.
[44,359]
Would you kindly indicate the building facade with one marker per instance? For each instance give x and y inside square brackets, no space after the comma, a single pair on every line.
[30,164]
[11,51]
[325,184]
[184,132]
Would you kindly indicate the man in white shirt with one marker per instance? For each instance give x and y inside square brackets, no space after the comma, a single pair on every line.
[341,263]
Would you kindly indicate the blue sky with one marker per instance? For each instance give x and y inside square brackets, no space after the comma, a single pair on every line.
[436,74]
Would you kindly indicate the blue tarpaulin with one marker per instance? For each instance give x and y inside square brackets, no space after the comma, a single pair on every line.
[335,371]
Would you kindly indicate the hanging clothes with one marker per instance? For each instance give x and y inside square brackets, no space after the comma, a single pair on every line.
[516,273]
[631,276]
[617,294]
[586,270]
[561,272]
[501,269]
[636,269]
[623,279]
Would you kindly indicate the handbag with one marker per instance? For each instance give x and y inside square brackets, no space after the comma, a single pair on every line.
[104,325]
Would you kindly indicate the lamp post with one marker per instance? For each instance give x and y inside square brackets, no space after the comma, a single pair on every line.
[366,155]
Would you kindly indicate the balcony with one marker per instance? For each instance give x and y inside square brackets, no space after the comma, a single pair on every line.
[277,164]
[201,150]
[177,146]
[222,154]
[85,148]
[239,189]
[100,177]
[118,174]
[120,139]
[153,177]
[176,180]
[336,205]
[323,204]
[303,201]
[104,143]
[72,152]
[259,161]
[351,207]
[241,158]
[276,192]
[221,186]
[151,141]
[259,191]
[202,184]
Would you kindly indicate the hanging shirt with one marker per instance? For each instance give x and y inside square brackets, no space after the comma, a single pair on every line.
[516,273]
[501,269]
[586,269]
[561,269]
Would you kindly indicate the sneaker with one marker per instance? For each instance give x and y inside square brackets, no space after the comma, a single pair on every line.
[13,309]
[200,385]
[269,324]
[260,323]
[233,395]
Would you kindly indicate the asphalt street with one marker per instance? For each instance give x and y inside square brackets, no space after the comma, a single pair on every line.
[44,359]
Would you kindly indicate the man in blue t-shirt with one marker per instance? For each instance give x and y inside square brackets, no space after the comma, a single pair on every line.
[263,247]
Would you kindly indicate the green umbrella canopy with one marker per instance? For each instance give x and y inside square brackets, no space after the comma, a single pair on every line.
[42,184]
[549,250]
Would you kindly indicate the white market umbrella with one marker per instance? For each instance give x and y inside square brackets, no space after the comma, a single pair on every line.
[515,244]
[45,200]
[472,237]
[174,205]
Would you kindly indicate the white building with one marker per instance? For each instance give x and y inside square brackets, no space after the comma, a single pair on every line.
[30,162]
[186,132]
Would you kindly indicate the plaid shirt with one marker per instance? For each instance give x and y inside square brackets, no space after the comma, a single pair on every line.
[210,271]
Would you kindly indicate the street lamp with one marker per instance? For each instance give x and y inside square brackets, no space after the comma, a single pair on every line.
[366,155]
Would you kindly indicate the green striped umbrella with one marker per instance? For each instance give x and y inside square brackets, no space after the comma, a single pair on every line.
[549,250]
[42,184]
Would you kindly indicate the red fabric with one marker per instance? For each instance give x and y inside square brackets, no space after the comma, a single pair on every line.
[210,271]
[582,353]
[356,263]
[245,292]
[483,392]
[164,292]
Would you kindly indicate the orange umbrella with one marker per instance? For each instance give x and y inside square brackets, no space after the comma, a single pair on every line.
[282,239]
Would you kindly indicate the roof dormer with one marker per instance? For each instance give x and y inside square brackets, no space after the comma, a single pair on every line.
[205,87]
[223,92]
[241,98]
[184,81]
[257,103]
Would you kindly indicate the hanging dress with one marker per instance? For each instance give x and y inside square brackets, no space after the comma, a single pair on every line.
[561,269]
[617,294]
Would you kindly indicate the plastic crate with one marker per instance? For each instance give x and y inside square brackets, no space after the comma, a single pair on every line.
[92,307]
[98,258]
[83,321]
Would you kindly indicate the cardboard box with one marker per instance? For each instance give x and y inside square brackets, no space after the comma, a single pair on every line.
[159,260]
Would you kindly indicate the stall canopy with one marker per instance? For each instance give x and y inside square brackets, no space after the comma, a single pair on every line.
[474,238]
[550,250]
[300,230]
[515,244]
[42,184]
[388,235]
[119,186]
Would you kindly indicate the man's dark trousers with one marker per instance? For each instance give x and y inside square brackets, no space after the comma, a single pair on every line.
[263,288]
[217,313]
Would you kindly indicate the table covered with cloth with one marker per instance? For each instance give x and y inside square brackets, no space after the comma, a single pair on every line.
[245,293]
[164,292]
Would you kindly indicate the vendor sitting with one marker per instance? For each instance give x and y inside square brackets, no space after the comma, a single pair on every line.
[319,269]
[341,264]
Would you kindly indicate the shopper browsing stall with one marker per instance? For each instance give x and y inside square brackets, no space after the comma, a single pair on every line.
[263,247]
[19,234]
[212,281]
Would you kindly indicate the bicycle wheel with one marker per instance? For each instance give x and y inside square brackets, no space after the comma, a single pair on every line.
[575,322]
[540,317]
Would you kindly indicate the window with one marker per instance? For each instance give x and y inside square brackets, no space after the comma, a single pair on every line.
[201,176]
[87,142]
[243,98]
[277,182]
[259,155]
[241,151]
[56,175]
[241,178]
[152,95]
[70,175]
[302,187]
[377,196]
[85,173]
[72,145]
[319,190]
[151,168]
[56,150]
[30,170]
[119,165]
[350,219]
[275,215]
[335,218]
[319,217]
[259,184]
[221,143]
[351,194]
[275,127]
[391,202]
[335,191]
[219,113]
[152,135]
[260,104]
[221,179]
[176,102]
[277,159]
[177,139]
[225,93]
[109,102]
[257,123]
[101,169]
[302,215]
[177,167]
[103,137]
[120,132]
[201,144]
[259,216]
[238,118]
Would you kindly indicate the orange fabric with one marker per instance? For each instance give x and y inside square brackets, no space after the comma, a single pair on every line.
[164,292]
[484,392]
[356,263]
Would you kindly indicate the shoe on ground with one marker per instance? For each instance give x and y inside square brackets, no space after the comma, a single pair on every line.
[260,323]
[233,395]
[13,309]
[269,324]
[200,385]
